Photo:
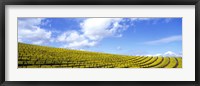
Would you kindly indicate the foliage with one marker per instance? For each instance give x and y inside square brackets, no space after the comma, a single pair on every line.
[34,56]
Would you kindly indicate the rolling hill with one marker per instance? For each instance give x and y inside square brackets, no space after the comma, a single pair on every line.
[34,56]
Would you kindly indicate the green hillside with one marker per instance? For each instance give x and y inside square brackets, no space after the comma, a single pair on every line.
[34,56]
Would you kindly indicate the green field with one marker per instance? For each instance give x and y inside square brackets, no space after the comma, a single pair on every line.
[34,56]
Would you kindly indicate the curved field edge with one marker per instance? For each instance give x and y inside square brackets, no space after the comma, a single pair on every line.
[34,56]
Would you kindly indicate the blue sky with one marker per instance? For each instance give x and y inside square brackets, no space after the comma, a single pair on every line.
[128,36]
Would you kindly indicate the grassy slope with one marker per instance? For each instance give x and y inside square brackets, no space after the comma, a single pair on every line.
[34,56]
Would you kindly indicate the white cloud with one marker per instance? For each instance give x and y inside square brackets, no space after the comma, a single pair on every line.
[38,42]
[20,40]
[158,54]
[99,28]
[153,20]
[92,31]
[141,19]
[165,40]
[38,33]
[167,20]
[75,40]
[166,54]
[46,23]
[84,43]
[119,48]
[148,55]
[71,36]
[29,31]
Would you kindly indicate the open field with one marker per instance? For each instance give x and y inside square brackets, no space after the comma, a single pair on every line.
[34,56]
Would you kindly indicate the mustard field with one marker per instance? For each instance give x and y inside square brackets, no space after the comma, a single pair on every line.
[34,56]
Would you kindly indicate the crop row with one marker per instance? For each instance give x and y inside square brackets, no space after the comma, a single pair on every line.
[33,56]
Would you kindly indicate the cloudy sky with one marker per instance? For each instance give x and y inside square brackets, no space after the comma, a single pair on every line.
[129,36]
